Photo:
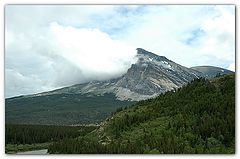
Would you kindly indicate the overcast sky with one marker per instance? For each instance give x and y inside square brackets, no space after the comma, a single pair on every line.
[52,46]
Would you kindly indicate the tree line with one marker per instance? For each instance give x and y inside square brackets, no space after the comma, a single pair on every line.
[30,134]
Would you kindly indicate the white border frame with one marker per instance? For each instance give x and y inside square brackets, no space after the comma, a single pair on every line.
[2,104]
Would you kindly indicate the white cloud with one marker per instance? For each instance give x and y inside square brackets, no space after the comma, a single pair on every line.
[92,51]
[166,32]
[231,67]
[54,46]
[18,84]
[219,34]
[64,56]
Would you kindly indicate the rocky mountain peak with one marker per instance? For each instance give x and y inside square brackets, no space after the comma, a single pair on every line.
[141,51]
[146,56]
[148,77]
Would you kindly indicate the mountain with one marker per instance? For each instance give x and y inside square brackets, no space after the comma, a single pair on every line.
[148,77]
[92,102]
[211,71]
[151,75]
[196,118]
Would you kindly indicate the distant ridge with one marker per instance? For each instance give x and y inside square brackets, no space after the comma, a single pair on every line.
[211,71]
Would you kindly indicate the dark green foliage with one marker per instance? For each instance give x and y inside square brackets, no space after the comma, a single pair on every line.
[30,134]
[61,109]
[197,118]
[80,145]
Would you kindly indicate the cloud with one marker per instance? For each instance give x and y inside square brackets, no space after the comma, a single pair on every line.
[92,51]
[52,46]
[18,84]
[64,56]
[186,34]
[231,67]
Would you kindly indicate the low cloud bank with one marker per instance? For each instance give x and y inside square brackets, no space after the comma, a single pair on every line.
[61,56]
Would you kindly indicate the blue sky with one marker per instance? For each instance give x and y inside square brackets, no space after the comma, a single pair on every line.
[53,46]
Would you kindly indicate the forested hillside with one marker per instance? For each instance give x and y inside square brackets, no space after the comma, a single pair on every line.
[28,137]
[197,118]
[61,109]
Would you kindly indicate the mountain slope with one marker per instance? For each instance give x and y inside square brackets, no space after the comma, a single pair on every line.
[92,102]
[211,71]
[197,118]
[61,109]
[150,76]
[153,74]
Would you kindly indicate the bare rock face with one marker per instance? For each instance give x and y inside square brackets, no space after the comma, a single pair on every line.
[148,77]
[153,74]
